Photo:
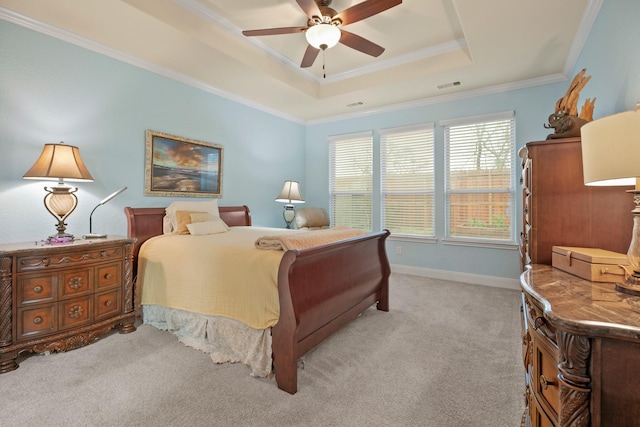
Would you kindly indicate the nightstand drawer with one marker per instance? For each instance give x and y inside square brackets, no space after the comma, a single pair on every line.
[75,312]
[74,283]
[33,289]
[33,322]
[108,276]
[108,304]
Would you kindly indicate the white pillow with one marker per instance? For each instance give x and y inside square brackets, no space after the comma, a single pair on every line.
[210,206]
[207,227]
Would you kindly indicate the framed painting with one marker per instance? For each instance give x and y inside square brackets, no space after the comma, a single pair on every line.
[183,167]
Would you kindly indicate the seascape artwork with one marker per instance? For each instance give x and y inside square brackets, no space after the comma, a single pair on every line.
[183,167]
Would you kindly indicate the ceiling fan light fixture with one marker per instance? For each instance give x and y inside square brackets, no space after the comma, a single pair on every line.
[323,36]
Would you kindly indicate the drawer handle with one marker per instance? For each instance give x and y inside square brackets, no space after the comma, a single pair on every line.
[108,276]
[539,322]
[108,303]
[37,289]
[75,311]
[545,383]
[75,283]
[37,320]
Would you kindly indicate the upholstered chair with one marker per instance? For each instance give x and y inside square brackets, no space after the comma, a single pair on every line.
[311,219]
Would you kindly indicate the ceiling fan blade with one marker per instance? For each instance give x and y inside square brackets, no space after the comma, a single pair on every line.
[359,43]
[309,57]
[310,7]
[365,9]
[274,31]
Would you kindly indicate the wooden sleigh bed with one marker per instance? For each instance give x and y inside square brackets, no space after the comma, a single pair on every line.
[320,289]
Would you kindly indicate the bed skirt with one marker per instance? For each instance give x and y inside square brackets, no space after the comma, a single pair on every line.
[226,340]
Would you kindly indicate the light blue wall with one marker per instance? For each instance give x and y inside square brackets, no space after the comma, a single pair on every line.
[612,57]
[51,90]
[54,91]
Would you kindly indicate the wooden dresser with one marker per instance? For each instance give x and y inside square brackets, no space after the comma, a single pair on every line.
[559,309]
[61,297]
[581,351]
[558,209]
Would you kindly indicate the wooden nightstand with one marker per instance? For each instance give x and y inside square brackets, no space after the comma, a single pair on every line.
[61,297]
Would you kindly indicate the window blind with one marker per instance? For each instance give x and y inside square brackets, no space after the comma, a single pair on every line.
[407,180]
[351,179]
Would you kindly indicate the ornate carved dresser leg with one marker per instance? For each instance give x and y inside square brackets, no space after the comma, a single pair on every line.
[574,380]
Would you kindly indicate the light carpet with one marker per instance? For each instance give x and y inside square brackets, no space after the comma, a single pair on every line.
[446,354]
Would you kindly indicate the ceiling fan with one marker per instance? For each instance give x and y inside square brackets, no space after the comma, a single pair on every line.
[323,29]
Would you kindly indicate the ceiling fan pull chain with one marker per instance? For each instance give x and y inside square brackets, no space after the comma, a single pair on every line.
[324,72]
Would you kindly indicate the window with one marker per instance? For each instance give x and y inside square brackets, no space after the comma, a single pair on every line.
[351,179]
[407,175]
[480,190]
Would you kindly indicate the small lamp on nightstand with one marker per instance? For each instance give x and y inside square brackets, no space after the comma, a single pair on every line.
[91,234]
[290,194]
[60,161]
[611,156]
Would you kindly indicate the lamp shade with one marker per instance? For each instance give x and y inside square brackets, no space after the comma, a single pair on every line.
[59,161]
[323,35]
[290,193]
[611,149]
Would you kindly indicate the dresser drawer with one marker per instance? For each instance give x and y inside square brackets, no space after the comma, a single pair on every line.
[108,304]
[537,321]
[66,257]
[36,321]
[545,374]
[75,312]
[538,416]
[74,283]
[37,288]
[108,276]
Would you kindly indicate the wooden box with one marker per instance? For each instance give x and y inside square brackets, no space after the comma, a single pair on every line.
[596,265]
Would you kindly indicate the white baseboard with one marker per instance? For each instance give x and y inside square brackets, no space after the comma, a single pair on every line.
[476,279]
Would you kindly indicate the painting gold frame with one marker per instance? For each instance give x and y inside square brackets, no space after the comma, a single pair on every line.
[183,167]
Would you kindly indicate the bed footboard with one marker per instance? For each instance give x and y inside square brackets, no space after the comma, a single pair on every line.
[322,289]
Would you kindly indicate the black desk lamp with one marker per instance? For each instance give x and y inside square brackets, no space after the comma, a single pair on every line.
[92,235]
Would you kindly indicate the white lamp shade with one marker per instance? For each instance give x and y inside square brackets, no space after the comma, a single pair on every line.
[611,149]
[290,193]
[323,36]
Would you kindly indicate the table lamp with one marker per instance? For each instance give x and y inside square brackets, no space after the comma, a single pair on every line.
[290,194]
[60,161]
[611,156]
[91,234]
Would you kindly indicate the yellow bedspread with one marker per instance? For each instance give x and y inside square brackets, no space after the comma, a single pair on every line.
[219,274]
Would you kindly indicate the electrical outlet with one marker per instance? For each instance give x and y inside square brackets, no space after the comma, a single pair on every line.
[398,250]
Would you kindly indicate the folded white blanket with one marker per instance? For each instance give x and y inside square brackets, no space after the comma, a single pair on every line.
[307,239]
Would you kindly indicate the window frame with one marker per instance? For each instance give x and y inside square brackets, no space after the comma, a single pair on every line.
[511,190]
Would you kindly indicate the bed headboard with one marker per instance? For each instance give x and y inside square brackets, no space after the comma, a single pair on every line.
[144,223]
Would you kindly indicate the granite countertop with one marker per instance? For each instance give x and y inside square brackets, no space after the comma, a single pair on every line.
[582,307]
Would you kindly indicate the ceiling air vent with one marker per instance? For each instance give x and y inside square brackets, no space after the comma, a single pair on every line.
[446,85]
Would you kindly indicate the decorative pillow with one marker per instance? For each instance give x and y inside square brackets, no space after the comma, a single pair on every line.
[210,206]
[208,227]
[184,218]
[205,216]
